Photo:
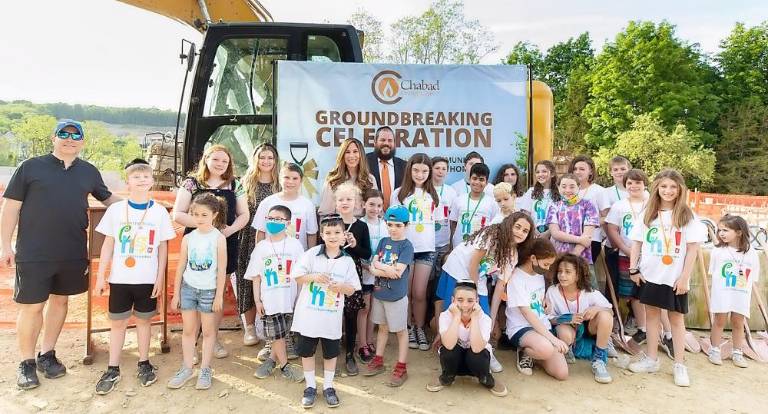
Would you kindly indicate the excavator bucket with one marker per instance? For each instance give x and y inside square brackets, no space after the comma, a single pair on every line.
[198,13]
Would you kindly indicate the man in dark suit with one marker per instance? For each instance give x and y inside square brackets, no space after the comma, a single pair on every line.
[384,154]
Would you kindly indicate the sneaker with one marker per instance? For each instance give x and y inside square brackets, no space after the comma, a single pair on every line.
[639,337]
[666,345]
[365,354]
[265,369]
[611,349]
[290,348]
[204,378]
[219,351]
[350,365]
[331,399]
[147,374]
[50,366]
[569,357]
[412,342]
[265,352]
[524,363]
[645,365]
[421,338]
[292,373]
[738,358]
[180,379]
[499,389]
[195,358]
[249,336]
[435,385]
[399,375]
[495,364]
[715,356]
[600,371]
[26,378]
[680,373]
[108,381]
[308,399]
[375,367]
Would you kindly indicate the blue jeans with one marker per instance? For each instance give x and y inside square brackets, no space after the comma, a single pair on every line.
[196,299]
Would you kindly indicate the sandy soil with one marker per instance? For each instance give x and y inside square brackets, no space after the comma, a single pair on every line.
[714,389]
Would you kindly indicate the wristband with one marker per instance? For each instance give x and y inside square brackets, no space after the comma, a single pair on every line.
[634,271]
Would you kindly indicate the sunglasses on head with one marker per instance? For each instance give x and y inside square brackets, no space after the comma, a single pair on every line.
[75,136]
[330,218]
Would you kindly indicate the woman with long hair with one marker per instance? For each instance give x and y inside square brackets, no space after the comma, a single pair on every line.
[351,166]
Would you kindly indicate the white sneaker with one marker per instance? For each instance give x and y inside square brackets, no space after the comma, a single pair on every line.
[265,352]
[495,364]
[219,351]
[715,356]
[645,365]
[681,375]
[612,352]
[249,336]
[738,359]
[524,363]
[600,371]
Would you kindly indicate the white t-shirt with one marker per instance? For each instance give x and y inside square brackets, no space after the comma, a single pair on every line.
[319,311]
[654,250]
[376,230]
[537,208]
[303,217]
[272,263]
[484,209]
[421,224]
[731,288]
[134,259]
[457,265]
[461,187]
[202,264]
[442,215]
[463,337]
[527,290]
[621,214]
[594,193]
[558,305]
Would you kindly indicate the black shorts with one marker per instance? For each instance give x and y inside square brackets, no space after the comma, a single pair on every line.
[306,347]
[664,297]
[126,298]
[35,281]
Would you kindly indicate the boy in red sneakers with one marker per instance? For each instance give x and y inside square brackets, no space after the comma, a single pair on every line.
[389,307]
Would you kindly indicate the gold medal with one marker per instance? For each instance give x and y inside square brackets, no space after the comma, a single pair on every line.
[130,261]
[667,259]
[419,228]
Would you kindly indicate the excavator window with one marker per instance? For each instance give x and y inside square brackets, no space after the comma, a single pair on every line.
[322,49]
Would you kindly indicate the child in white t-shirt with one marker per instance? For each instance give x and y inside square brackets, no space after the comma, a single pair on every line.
[136,233]
[537,199]
[473,210]
[579,312]
[505,198]
[735,268]
[528,327]
[666,242]
[274,291]
[325,274]
[303,225]
[465,331]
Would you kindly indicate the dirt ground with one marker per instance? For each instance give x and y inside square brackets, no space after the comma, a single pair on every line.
[714,389]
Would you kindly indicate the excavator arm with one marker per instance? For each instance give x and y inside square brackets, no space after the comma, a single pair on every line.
[199,13]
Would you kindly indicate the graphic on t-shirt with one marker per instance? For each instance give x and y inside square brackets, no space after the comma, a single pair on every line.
[136,244]
[537,303]
[444,220]
[656,242]
[294,228]
[275,275]
[540,207]
[387,257]
[737,279]
[323,299]
[420,212]
[627,224]
[201,260]
[470,224]
[486,269]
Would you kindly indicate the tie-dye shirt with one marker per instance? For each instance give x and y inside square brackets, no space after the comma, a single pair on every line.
[572,220]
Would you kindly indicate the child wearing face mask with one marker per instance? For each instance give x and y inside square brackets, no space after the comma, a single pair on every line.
[274,291]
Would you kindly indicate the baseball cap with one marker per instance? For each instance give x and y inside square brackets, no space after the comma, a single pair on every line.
[63,123]
[397,214]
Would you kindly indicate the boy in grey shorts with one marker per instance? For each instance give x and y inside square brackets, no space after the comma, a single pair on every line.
[389,307]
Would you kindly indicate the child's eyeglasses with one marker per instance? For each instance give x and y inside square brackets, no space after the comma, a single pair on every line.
[277,219]
[74,135]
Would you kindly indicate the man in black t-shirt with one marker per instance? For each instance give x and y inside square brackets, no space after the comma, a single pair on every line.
[47,198]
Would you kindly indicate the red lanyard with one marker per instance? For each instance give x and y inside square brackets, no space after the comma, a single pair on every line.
[562,293]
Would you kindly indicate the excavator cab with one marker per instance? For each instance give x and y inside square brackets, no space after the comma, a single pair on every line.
[232,99]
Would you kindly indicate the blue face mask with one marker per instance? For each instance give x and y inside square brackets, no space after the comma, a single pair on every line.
[274,227]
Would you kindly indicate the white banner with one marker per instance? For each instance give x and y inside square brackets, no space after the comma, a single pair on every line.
[446,110]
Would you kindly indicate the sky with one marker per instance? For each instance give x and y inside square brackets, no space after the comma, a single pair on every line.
[104,52]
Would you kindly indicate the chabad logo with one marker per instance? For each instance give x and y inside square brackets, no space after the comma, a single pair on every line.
[386,87]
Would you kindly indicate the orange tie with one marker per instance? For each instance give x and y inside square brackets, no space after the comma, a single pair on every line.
[386,185]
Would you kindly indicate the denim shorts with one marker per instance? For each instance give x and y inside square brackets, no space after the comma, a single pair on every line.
[425,258]
[196,299]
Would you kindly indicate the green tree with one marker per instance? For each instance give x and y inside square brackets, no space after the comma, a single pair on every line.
[651,147]
[33,135]
[106,151]
[525,53]
[440,35]
[742,154]
[647,69]
[743,63]
[373,34]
